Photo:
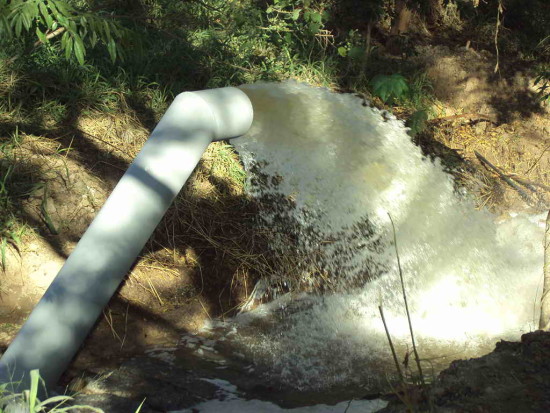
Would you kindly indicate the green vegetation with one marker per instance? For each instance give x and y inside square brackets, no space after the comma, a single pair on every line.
[64,60]
[29,401]
[61,60]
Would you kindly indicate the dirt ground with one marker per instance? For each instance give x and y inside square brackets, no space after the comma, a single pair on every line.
[513,378]
[204,258]
[496,115]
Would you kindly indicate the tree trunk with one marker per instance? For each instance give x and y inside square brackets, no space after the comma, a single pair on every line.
[401,23]
[544,322]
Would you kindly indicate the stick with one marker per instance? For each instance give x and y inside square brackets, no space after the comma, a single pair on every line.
[399,372]
[477,116]
[406,305]
[526,183]
[521,192]
[544,322]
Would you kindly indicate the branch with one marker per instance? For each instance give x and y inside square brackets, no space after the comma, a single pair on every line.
[417,358]
[544,322]
[49,36]
[391,346]
[505,178]
[476,116]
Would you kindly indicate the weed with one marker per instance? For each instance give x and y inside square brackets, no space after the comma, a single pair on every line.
[14,185]
[28,400]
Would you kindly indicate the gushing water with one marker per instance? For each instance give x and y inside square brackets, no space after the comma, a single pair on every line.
[332,170]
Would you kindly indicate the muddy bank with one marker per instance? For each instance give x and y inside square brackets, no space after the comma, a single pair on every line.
[514,378]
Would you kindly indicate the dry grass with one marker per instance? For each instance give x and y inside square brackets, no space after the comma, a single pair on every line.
[211,234]
[503,147]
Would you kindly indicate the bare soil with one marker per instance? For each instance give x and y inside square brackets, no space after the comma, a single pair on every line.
[496,115]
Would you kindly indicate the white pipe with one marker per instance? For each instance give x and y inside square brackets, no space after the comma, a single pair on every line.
[70,307]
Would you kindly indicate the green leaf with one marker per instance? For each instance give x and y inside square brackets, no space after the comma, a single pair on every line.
[94,39]
[288,38]
[18,25]
[316,17]
[64,40]
[35,377]
[41,36]
[107,29]
[356,52]
[389,88]
[53,9]
[120,52]
[62,20]
[69,48]
[5,27]
[115,30]
[417,122]
[72,26]
[296,14]
[25,19]
[47,18]
[79,49]
[314,28]
[3,247]
[111,47]
[342,51]
[63,7]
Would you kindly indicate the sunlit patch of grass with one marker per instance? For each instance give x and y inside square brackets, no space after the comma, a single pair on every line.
[15,183]
[221,162]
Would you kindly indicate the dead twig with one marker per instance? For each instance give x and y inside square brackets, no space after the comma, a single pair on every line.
[524,195]
[544,322]
[528,184]
[417,359]
[399,372]
[538,159]
[471,116]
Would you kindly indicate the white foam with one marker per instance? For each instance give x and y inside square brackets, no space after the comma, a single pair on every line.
[469,280]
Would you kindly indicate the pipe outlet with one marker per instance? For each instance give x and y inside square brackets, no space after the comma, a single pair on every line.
[70,307]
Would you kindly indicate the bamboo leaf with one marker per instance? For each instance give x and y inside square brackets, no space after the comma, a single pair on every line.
[47,18]
[5,27]
[111,47]
[63,7]
[94,39]
[53,8]
[79,49]
[41,36]
[115,30]
[18,25]
[107,31]
[25,19]
[68,48]
[64,40]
